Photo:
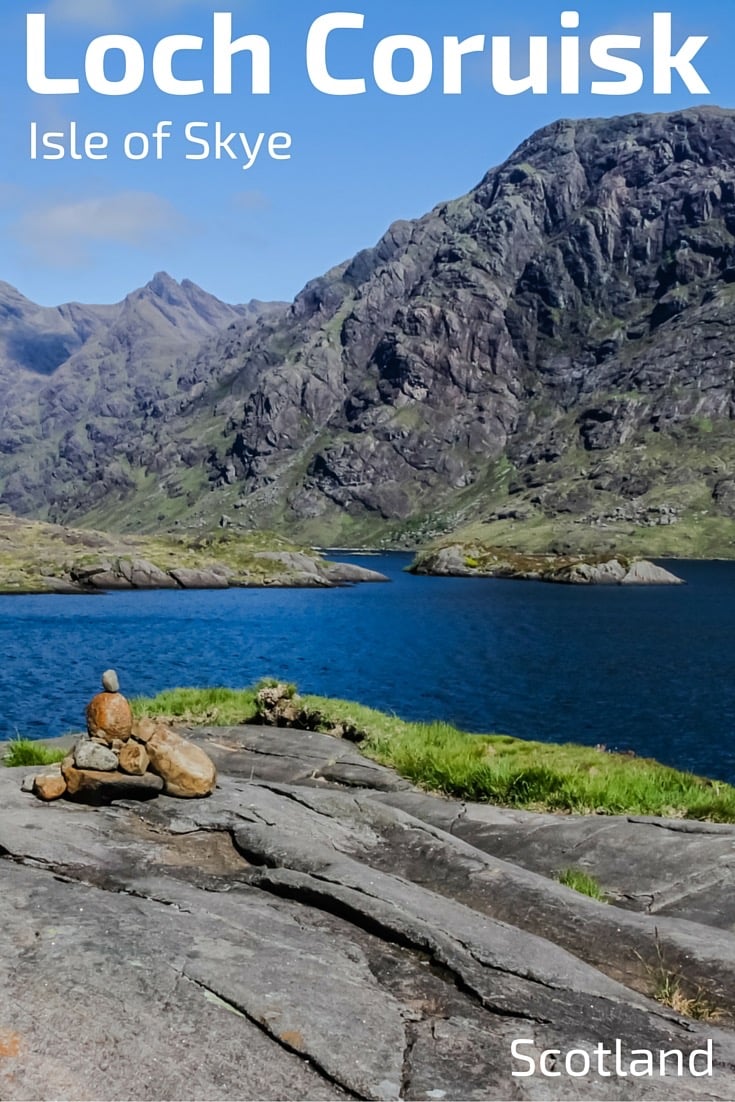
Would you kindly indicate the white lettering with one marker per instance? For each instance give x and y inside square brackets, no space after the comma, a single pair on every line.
[36,62]
[134,70]
[212,140]
[56,145]
[708,1056]
[163,62]
[279,146]
[602,58]
[316,53]
[423,65]
[225,49]
[570,55]
[538,79]
[454,52]
[518,1055]
[577,1073]
[551,1054]
[665,62]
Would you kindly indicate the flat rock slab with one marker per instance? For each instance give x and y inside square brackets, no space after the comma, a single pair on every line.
[319,929]
[660,866]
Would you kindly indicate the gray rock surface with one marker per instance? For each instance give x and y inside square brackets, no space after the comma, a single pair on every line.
[343,573]
[92,755]
[201,579]
[319,929]
[648,573]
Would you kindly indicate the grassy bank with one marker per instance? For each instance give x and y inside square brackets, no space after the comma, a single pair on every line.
[494,768]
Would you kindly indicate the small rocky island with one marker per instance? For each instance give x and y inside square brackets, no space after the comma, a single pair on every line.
[478,561]
[50,558]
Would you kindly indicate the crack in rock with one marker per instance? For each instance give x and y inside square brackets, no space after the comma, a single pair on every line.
[281,1040]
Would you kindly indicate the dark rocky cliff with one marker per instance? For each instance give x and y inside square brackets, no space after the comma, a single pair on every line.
[553,349]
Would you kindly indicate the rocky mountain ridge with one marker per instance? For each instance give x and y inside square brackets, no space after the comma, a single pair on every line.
[82,383]
[547,360]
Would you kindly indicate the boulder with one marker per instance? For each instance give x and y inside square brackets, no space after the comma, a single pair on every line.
[93,755]
[201,579]
[345,573]
[445,562]
[186,771]
[49,786]
[604,573]
[106,580]
[647,573]
[141,574]
[134,759]
[109,717]
[95,787]
[145,729]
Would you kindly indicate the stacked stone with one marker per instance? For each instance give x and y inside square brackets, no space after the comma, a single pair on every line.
[120,759]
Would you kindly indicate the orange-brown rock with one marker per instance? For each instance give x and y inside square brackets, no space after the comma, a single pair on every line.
[90,786]
[134,759]
[145,729]
[49,786]
[109,717]
[187,772]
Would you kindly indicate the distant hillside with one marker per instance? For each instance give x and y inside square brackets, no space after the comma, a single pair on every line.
[82,384]
[547,362]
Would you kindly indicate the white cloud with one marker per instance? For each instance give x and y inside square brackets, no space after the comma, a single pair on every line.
[65,234]
[105,14]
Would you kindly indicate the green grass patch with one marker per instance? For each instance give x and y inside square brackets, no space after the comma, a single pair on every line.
[200,707]
[580,881]
[484,768]
[23,751]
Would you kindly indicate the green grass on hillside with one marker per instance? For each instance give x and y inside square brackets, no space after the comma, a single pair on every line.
[495,768]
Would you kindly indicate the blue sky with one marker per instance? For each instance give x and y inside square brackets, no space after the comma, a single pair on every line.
[92,231]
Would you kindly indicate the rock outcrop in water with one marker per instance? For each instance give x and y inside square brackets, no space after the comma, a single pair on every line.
[473,561]
[331,932]
[46,558]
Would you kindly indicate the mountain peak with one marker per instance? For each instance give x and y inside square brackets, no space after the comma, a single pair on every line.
[162,285]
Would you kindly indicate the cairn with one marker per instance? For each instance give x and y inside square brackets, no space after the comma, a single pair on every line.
[119,758]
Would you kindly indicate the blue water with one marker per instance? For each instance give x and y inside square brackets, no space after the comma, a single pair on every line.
[650,670]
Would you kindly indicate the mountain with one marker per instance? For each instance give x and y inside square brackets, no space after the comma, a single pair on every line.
[547,360]
[81,383]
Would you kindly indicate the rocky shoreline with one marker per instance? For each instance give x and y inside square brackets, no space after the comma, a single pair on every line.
[280,570]
[334,932]
[48,558]
[477,561]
